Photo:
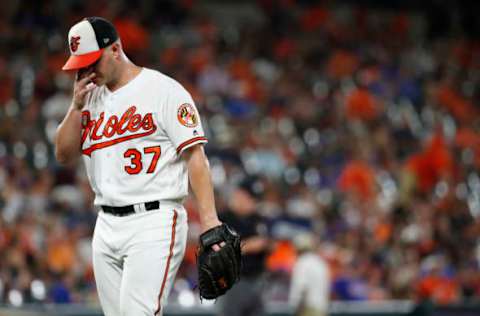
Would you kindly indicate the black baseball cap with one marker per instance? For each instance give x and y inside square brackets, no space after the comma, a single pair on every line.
[87,39]
[253,185]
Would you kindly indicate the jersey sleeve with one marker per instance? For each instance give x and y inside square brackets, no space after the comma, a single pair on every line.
[181,119]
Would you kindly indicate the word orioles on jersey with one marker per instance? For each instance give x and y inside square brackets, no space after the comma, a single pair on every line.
[129,121]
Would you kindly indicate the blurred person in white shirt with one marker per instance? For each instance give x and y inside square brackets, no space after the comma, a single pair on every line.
[310,283]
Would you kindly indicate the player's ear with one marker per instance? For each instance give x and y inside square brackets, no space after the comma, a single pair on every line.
[116,50]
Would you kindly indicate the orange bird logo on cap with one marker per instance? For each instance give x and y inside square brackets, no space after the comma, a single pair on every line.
[74,42]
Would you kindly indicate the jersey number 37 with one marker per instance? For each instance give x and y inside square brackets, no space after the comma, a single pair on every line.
[137,158]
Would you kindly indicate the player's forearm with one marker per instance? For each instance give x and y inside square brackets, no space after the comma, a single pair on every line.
[67,137]
[201,184]
[254,245]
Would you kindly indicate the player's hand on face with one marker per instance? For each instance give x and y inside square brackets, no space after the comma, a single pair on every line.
[83,84]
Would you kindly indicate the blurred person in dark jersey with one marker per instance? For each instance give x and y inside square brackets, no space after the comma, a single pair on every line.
[245,298]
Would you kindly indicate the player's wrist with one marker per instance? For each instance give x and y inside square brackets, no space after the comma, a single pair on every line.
[210,223]
[77,106]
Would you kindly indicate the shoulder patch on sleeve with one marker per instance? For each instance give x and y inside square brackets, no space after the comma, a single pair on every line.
[187,115]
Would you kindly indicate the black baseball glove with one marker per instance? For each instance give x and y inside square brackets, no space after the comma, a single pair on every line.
[218,270]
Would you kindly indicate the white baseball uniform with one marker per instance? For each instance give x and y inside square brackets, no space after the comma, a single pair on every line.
[132,139]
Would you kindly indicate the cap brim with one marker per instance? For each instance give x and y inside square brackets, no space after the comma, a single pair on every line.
[81,61]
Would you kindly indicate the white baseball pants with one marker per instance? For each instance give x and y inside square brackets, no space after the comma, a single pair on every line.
[136,257]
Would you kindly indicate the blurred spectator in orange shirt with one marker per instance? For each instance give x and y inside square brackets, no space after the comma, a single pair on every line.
[431,165]
[60,252]
[362,104]
[135,39]
[358,179]
[460,107]
[283,257]
[437,286]
[341,63]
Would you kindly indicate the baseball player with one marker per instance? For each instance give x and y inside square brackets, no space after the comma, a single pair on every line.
[141,139]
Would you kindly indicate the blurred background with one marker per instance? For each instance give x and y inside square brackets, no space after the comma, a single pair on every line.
[341,133]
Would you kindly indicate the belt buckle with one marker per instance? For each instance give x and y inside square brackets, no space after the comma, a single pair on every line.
[146,207]
[139,208]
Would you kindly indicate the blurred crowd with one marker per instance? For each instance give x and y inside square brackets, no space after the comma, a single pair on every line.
[361,122]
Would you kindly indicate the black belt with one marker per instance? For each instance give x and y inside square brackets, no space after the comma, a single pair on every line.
[129,209]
